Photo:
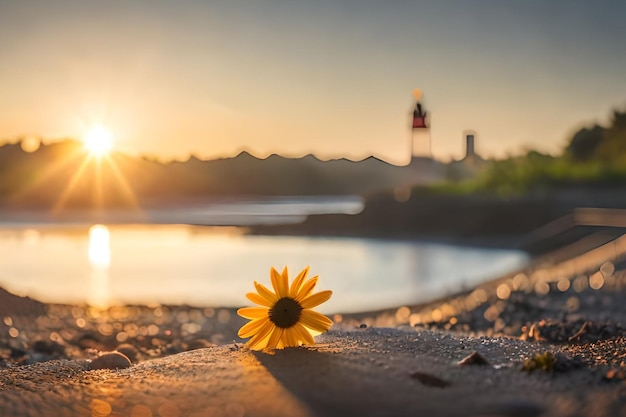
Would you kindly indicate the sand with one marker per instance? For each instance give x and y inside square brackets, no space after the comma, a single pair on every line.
[551,340]
[369,372]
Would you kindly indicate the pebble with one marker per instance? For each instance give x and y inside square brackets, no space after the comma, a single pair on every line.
[130,351]
[90,341]
[473,358]
[110,360]
[430,380]
[48,347]
[199,344]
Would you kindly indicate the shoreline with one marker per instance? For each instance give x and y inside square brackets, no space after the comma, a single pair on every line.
[553,339]
[545,279]
[294,225]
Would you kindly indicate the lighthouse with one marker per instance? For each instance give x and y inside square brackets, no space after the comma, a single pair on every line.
[420,129]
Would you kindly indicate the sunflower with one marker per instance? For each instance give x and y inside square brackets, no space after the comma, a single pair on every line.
[285,317]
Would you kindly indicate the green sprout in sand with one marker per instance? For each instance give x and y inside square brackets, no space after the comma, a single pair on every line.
[541,361]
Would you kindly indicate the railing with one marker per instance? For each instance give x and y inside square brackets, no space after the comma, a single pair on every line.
[578,232]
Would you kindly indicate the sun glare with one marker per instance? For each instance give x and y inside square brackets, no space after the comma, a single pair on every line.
[98,141]
[99,248]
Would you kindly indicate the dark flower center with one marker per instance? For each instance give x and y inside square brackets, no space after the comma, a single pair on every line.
[285,313]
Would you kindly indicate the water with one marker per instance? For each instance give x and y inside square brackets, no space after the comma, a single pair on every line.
[215,211]
[216,266]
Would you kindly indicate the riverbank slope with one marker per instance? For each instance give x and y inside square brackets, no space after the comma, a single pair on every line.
[550,340]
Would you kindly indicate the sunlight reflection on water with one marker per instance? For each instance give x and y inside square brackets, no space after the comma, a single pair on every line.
[99,254]
[99,248]
[215,266]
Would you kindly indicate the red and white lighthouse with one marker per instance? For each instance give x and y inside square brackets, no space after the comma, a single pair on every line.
[420,129]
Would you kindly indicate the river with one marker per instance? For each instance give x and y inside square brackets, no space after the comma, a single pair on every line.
[105,264]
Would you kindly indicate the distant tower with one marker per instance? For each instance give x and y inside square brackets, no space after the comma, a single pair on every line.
[420,129]
[471,159]
[470,153]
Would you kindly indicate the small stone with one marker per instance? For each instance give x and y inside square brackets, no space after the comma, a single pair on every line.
[48,347]
[17,353]
[90,341]
[430,380]
[199,344]
[110,360]
[615,374]
[473,358]
[129,350]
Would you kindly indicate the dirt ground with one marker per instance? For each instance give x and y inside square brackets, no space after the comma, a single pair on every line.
[369,372]
[547,341]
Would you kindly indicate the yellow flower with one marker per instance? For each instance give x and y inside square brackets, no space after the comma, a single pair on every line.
[285,317]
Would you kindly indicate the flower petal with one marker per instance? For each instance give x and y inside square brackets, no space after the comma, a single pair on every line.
[307,288]
[316,299]
[257,299]
[297,283]
[275,277]
[259,344]
[259,341]
[279,282]
[304,334]
[315,321]
[253,312]
[251,328]
[290,338]
[275,337]
[284,283]
[265,293]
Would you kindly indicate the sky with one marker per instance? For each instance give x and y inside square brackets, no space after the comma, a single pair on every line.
[329,77]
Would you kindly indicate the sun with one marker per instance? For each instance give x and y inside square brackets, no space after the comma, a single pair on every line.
[98,141]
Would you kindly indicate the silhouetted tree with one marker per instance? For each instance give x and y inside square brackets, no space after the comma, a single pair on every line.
[584,143]
[613,146]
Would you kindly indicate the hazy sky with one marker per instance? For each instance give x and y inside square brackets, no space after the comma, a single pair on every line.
[330,77]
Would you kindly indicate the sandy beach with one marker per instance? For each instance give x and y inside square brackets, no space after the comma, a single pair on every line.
[312,208]
[546,341]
